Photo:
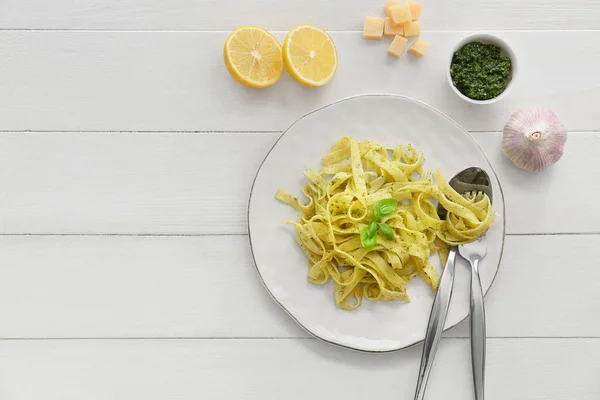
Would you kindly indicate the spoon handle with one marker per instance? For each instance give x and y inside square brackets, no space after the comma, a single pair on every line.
[437,318]
[477,331]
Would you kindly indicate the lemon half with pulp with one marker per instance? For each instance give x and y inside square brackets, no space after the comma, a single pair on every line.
[253,57]
[309,55]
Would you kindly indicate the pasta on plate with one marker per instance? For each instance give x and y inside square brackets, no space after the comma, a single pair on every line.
[370,222]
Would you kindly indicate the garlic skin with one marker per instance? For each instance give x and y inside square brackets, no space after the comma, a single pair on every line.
[534,139]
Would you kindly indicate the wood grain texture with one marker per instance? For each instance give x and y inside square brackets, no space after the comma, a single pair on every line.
[110,286]
[289,369]
[104,183]
[128,183]
[176,81]
[334,14]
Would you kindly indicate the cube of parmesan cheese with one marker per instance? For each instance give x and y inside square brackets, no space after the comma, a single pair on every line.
[415,10]
[400,13]
[387,6]
[419,48]
[412,29]
[373,28]
[397,46]
[390,29]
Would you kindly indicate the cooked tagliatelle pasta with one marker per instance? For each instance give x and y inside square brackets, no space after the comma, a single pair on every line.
[355,177]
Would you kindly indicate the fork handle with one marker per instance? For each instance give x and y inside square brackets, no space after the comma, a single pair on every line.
[437,318]
[477,331]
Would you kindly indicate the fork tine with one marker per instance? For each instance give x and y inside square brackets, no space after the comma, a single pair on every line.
[474,195]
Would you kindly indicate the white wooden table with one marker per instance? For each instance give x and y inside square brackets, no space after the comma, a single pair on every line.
[126,158]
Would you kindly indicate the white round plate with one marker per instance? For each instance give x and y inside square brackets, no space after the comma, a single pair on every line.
[391,120]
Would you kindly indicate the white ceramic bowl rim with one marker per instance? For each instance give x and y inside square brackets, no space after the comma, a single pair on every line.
[505,48]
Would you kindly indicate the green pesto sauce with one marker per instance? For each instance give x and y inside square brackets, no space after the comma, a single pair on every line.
[479,71]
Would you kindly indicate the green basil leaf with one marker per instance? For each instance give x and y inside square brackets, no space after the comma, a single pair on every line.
[376,213]
[367,239]
[372,229]
[387,231]
[368,242]
[384,208]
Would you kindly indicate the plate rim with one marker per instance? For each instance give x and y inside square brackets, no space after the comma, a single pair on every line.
[285,131]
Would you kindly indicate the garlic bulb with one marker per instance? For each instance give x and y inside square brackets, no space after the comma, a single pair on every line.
[534,139]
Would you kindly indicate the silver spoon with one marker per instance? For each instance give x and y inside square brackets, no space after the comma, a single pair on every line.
[467,181]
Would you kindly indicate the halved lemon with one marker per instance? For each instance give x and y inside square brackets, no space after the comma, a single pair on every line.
[253,57]
[309,55]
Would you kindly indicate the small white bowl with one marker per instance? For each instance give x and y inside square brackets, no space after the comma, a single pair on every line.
[505,50]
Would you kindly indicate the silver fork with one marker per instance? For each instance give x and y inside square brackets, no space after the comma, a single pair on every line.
[474,252]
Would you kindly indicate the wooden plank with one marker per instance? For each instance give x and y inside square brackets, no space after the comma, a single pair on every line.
[335,14]
[519,369]
[127,183]
[532,199]
[199,183]
[115,286]
[176,81]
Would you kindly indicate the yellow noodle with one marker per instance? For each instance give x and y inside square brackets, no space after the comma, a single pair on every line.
[340,198]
